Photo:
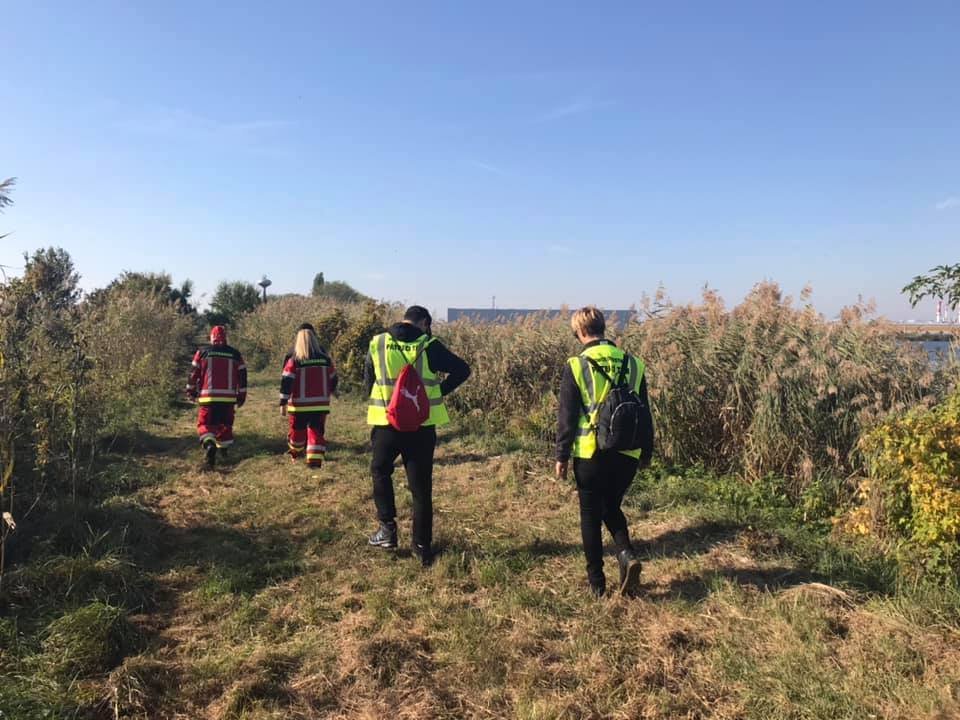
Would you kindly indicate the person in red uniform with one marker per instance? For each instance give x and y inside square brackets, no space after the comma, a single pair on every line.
[309,379]
[217,383]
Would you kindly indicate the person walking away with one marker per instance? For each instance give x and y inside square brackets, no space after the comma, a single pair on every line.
[401,379]
[600,376]
[218,383]
[309,380]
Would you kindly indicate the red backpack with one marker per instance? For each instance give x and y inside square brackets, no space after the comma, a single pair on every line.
[409,405]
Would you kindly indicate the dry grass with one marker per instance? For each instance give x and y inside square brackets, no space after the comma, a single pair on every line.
[767,388]
[265,602]
[770,388]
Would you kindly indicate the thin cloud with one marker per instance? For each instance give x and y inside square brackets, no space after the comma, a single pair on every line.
[487,167]
[577,107]
[948,203]
[180,124]
[257,125]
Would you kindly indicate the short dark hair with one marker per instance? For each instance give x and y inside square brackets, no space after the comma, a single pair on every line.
[306,326]
[417,314]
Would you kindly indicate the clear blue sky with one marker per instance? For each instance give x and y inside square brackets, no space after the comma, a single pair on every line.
[542,152]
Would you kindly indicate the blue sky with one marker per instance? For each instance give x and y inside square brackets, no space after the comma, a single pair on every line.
[443,153]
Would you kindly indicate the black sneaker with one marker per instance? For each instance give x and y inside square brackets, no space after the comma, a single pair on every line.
[385,536]
[424,553]
[630,568]
[210,451]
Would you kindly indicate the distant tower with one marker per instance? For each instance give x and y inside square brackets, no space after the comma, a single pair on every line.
[265,283]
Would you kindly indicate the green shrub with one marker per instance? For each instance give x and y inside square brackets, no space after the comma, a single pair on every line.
[43,375]
[339,291]
[231,301]
[267,334]
[352,346]
[148,283]
[139,348]
[73,373]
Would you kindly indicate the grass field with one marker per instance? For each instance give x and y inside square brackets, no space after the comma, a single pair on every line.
[250,592]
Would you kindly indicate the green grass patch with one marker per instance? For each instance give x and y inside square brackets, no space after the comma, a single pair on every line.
[88,641]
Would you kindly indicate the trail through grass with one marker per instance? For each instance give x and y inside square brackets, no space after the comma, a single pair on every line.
[250,592]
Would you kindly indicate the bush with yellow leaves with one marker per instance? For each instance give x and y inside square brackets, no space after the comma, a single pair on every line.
[912,494]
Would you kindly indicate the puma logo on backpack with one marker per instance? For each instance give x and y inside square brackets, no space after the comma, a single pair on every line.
[622,419]
[412,397]
[409,406]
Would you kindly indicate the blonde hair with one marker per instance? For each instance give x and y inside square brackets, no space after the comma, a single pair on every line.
[588,321]
[307,346]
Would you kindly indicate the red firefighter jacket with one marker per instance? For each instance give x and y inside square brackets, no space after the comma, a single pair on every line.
[306,385]
[219,376]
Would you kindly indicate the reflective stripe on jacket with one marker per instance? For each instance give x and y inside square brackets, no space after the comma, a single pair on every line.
[308,384]
[219,375]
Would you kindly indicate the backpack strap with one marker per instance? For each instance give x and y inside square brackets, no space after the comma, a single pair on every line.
[416,357]
[621,376]
[423,348]
[623,369]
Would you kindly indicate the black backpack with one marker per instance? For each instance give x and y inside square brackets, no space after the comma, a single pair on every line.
[623,419]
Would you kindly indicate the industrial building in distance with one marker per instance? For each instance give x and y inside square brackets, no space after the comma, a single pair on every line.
[504,315]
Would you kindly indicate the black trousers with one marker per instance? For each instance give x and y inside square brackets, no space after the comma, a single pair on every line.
[602,481]
[416,449]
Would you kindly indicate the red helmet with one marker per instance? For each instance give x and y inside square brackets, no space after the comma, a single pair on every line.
[218,335]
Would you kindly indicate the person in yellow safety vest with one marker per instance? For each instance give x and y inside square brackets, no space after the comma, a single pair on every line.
[602,476]
[390,351]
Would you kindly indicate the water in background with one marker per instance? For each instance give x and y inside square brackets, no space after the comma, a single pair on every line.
[940,351]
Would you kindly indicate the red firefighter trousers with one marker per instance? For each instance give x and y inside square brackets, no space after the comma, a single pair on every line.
[306,435]
[215,422]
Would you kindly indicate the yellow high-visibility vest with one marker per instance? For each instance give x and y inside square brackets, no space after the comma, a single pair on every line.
[594,388]
[390,356]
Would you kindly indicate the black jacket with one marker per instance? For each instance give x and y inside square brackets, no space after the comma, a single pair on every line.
[438,356]
[571,408]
